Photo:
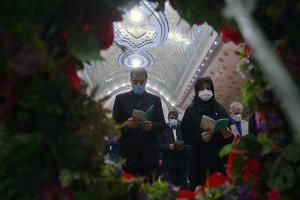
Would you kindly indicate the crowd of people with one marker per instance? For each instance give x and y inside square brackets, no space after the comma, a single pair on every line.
[183,153]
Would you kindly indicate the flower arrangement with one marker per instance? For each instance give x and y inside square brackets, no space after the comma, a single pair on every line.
[51,136]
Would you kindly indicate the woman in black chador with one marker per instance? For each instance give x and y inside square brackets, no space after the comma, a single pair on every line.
[205,145]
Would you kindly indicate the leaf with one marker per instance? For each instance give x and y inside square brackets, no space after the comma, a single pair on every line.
[293,153]
[250,144]
[85,46]
[284,179]
[266,142]
[65,178]
[225,150]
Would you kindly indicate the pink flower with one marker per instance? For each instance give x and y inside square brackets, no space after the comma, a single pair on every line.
[247,51]
[273,194]
[230,35]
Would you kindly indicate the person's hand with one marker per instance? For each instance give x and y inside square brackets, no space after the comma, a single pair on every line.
[147,126]
[178,146]
[160,163]
[130,123]
[116,140]
[226,133]
[172,146]
[206,135]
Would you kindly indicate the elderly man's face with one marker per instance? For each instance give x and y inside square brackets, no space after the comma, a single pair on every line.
[138,79]
[236,110]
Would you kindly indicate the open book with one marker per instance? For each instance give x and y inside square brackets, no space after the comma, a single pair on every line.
[209,124]
[141,115]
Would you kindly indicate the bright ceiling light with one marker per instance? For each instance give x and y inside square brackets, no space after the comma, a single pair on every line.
[136,15]
[136,62]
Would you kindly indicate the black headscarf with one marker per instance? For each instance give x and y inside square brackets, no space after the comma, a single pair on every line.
[210,106]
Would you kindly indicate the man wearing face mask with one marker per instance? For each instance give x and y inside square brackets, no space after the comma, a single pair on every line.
[205,145]
[173,152]
[139,139]
[239,126]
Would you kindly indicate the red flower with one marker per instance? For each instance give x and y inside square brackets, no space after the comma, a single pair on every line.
[70,71]
[215,180]
[253,195]
[230,35]
[273,194]
[104,29]
[253,165]
[230,161]
[65,35]
[126,177]
[251,170]
[185,194]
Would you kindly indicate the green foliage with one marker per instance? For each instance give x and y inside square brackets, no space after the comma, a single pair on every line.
[33,10]
[283,178]
[250,145]
[84,46]
[157,191]
[292,153]
[266,142]
[225,150]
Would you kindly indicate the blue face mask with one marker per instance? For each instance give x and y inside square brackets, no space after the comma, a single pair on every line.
[138,89]
[173,122]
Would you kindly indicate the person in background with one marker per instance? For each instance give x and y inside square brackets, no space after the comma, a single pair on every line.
[173,152]
[205,145]
[257,123]
[112,147]
[139,139]
[239,126]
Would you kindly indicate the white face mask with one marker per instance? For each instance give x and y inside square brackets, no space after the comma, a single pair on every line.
[237,117]
[205,95]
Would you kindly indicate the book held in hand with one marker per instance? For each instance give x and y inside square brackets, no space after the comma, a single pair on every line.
[141,115]
[209,124]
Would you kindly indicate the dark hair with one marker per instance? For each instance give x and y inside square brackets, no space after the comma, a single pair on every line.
[138,71]
[173,112]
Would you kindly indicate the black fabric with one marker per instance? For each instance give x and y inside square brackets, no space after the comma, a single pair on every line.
[252,124]
[176,177]
[204,155]
[172,160]
[148,171]
[135,144]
